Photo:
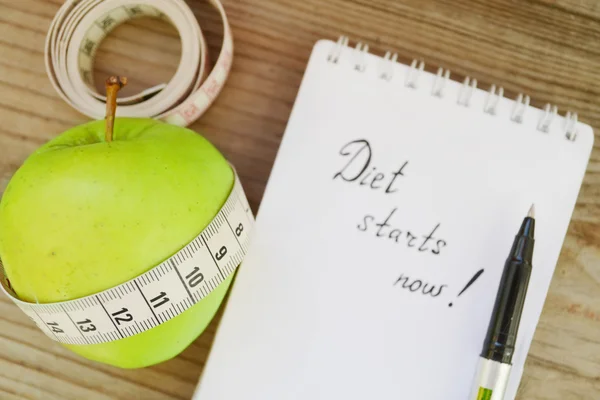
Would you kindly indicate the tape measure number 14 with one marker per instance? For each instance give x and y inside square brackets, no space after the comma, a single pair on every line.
[156,296]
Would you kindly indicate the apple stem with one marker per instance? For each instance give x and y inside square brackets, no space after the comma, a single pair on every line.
[113,84]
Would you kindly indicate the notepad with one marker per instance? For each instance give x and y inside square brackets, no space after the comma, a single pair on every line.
[393,188]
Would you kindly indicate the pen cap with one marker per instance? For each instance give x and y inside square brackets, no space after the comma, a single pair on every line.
[502,332]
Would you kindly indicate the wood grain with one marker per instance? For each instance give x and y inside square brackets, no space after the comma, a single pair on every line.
[549,49]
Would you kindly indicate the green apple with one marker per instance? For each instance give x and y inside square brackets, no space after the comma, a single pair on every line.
[83,214]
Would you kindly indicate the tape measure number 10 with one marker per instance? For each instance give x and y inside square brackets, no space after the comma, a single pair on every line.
[156,296]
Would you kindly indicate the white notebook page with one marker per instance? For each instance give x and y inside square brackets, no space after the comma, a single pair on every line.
[317,312]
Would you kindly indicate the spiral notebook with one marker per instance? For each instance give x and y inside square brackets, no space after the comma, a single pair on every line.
[392,189]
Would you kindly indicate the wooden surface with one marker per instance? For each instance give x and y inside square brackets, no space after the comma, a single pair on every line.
[549,49]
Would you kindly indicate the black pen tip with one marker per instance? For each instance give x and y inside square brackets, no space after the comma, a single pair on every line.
[531,213]
[528,226]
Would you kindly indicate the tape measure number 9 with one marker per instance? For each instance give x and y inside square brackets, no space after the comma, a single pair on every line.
[80,26]
[156,296]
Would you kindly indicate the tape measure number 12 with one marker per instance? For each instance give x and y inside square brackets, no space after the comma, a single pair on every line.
[156,296]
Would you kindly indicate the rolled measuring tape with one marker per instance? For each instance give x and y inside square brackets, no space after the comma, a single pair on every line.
[159,294]
[80,26]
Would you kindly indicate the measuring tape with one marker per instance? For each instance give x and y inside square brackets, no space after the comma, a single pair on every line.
[156,296]
[185,278]
[80,26]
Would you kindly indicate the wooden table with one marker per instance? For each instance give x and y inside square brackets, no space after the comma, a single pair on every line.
[549,49]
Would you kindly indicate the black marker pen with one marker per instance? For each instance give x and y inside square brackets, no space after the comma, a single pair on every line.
[499,344]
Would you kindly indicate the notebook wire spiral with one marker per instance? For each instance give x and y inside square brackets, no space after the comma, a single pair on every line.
[464,95]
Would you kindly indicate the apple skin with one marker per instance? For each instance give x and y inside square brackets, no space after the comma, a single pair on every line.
[82,215]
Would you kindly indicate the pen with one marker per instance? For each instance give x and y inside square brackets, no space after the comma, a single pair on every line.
[494,365]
